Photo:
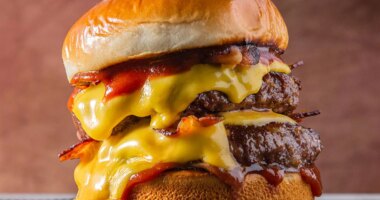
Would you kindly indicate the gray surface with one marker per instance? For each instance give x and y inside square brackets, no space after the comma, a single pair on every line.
[350,197]
[37,196]
[71,196]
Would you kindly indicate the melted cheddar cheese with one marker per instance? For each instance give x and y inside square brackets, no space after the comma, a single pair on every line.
[254,118]
[104,172]
[164,98]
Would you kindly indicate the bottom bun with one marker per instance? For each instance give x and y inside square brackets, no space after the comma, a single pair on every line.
[197,185]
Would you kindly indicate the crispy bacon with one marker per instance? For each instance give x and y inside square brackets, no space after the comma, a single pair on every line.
[210,120]
[77,150]
[84,79]
[187,125]
[231,56]
[267,57]
[127,77]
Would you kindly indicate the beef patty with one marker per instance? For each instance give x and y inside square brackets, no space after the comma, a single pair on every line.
[279,92]
[283,145]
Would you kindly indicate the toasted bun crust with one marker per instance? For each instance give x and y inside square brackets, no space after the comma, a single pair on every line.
[200,185]
[114,31]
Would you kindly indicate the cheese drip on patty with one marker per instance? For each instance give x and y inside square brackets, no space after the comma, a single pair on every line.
[104,171]
[164,98]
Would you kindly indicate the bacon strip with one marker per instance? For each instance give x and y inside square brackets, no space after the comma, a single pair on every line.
[127,77]
[187,125]
[77,150]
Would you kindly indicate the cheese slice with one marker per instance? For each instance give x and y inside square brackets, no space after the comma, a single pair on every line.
[104,172]
[254,118]
[164,98]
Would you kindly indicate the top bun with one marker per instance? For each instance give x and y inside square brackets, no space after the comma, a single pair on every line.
[114,31]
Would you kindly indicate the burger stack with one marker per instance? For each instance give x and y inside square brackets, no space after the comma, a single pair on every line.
[187,100]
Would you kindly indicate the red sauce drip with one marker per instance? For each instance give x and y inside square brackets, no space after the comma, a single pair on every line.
[145,176]
[129,76]
[274,176]
[70,102]
[234,178]
[312,177]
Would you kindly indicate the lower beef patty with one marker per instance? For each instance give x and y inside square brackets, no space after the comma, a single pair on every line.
[279,92]
[284,145]
[276,144]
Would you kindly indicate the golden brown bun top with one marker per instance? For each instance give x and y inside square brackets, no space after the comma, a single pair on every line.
[114,31]
[199,185]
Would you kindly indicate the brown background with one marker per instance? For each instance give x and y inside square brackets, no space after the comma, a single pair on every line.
[338,40]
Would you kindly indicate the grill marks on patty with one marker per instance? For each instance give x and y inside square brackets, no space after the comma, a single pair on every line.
[275,144]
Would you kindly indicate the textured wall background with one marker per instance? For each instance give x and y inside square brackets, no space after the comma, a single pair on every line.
[338,40]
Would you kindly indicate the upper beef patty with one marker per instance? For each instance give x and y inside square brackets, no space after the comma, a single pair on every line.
[275,144]
[279,92]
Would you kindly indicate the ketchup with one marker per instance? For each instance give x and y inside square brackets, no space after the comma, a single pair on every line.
[274,176]
[129,76]
[145,176]
[312,177]
[70,102]
[126,78]
[233,178]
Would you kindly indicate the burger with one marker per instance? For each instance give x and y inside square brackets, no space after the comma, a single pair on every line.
[187,100]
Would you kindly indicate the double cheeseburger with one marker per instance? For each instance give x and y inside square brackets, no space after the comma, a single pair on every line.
[187,100]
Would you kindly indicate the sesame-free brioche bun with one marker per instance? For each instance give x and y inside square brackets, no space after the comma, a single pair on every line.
[115,31]
[186,184]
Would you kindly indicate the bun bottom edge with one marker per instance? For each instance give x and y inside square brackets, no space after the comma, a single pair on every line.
[187,184]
